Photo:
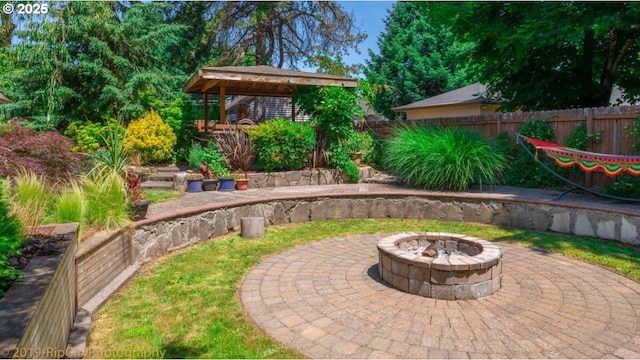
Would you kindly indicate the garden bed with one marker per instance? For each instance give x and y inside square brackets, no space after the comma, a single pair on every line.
[46,295]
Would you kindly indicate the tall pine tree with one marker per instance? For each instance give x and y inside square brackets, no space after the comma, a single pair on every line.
[418,58]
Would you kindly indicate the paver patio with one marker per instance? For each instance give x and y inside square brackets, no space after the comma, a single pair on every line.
[326,299]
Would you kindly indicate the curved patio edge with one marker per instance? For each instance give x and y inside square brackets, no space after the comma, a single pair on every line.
[168,231]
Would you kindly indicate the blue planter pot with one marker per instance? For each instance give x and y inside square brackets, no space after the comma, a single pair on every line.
[227,184]
[194,185]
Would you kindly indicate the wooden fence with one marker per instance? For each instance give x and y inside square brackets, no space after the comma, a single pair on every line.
[610,123]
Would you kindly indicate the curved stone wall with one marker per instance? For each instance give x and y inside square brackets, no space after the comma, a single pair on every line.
[157,236]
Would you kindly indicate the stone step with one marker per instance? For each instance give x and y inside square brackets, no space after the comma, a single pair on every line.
[157,185]
[161,176]
[169,169]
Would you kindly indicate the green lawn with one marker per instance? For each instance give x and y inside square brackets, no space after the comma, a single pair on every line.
[156,196]
[186,304]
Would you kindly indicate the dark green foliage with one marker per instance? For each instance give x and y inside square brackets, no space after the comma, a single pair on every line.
[374,157]
[538,129]
[340,158]
[90,136]
[523,170]
[11,239]
[92,60]
[633,131]
[553,55]
[442,159]
[626,186]
[419,57]
[332,111]
[211,155]
[281,144]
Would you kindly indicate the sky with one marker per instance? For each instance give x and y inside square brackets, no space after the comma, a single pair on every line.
[369,16]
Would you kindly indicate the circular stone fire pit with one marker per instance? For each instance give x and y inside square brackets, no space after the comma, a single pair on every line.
[440,265]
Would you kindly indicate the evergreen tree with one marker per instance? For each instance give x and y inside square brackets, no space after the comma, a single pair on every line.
[418,58]
[92,60]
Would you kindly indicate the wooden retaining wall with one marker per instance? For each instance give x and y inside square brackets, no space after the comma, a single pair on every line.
[101,259]
[36,315]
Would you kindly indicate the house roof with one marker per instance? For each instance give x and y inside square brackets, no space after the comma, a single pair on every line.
[4,99]
[470,94]
[258,81]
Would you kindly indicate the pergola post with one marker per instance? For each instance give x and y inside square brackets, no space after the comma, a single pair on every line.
[293,110]
[206,111]
[223,115]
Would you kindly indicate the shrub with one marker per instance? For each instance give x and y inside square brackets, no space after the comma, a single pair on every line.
[625,186]
[282,144]
[11,239]
[340,158]
[442,159]
[211,155]
[523,170]
[151,138]
[90,136]
[179,115]
[47,154]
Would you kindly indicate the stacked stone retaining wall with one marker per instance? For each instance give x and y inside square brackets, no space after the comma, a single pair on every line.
[152,239]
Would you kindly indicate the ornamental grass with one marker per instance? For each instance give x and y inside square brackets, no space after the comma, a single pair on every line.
[442,158]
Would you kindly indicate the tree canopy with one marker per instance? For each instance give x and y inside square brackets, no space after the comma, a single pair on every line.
[419,57]
[91,60]
[553,55]
[281,33]
[95,60]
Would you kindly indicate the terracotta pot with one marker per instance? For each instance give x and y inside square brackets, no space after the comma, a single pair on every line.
[357,158]
[242,184]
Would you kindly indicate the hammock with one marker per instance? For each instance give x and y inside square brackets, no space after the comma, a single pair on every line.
[611,165]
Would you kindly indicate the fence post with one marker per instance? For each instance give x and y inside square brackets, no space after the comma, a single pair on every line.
[588,176]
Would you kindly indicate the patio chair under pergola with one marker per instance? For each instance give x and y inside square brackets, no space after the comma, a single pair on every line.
[254,81]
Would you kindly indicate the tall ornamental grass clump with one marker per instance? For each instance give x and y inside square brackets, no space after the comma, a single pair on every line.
[69,205]
[442,158]
[106,200]
[31,199]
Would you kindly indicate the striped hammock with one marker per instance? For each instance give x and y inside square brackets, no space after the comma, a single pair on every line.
[611,165]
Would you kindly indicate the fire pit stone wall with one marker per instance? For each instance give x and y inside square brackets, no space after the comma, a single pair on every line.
[476,274]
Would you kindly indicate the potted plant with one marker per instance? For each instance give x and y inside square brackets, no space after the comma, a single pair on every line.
[214,165]
[138,202]
[237,147]
[242,183]
[227,182]
[210,182]
[194,182]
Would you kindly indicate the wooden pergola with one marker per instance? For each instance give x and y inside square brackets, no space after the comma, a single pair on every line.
[255,81]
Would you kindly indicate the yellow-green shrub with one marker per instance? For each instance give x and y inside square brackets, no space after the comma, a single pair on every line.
[150,137]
